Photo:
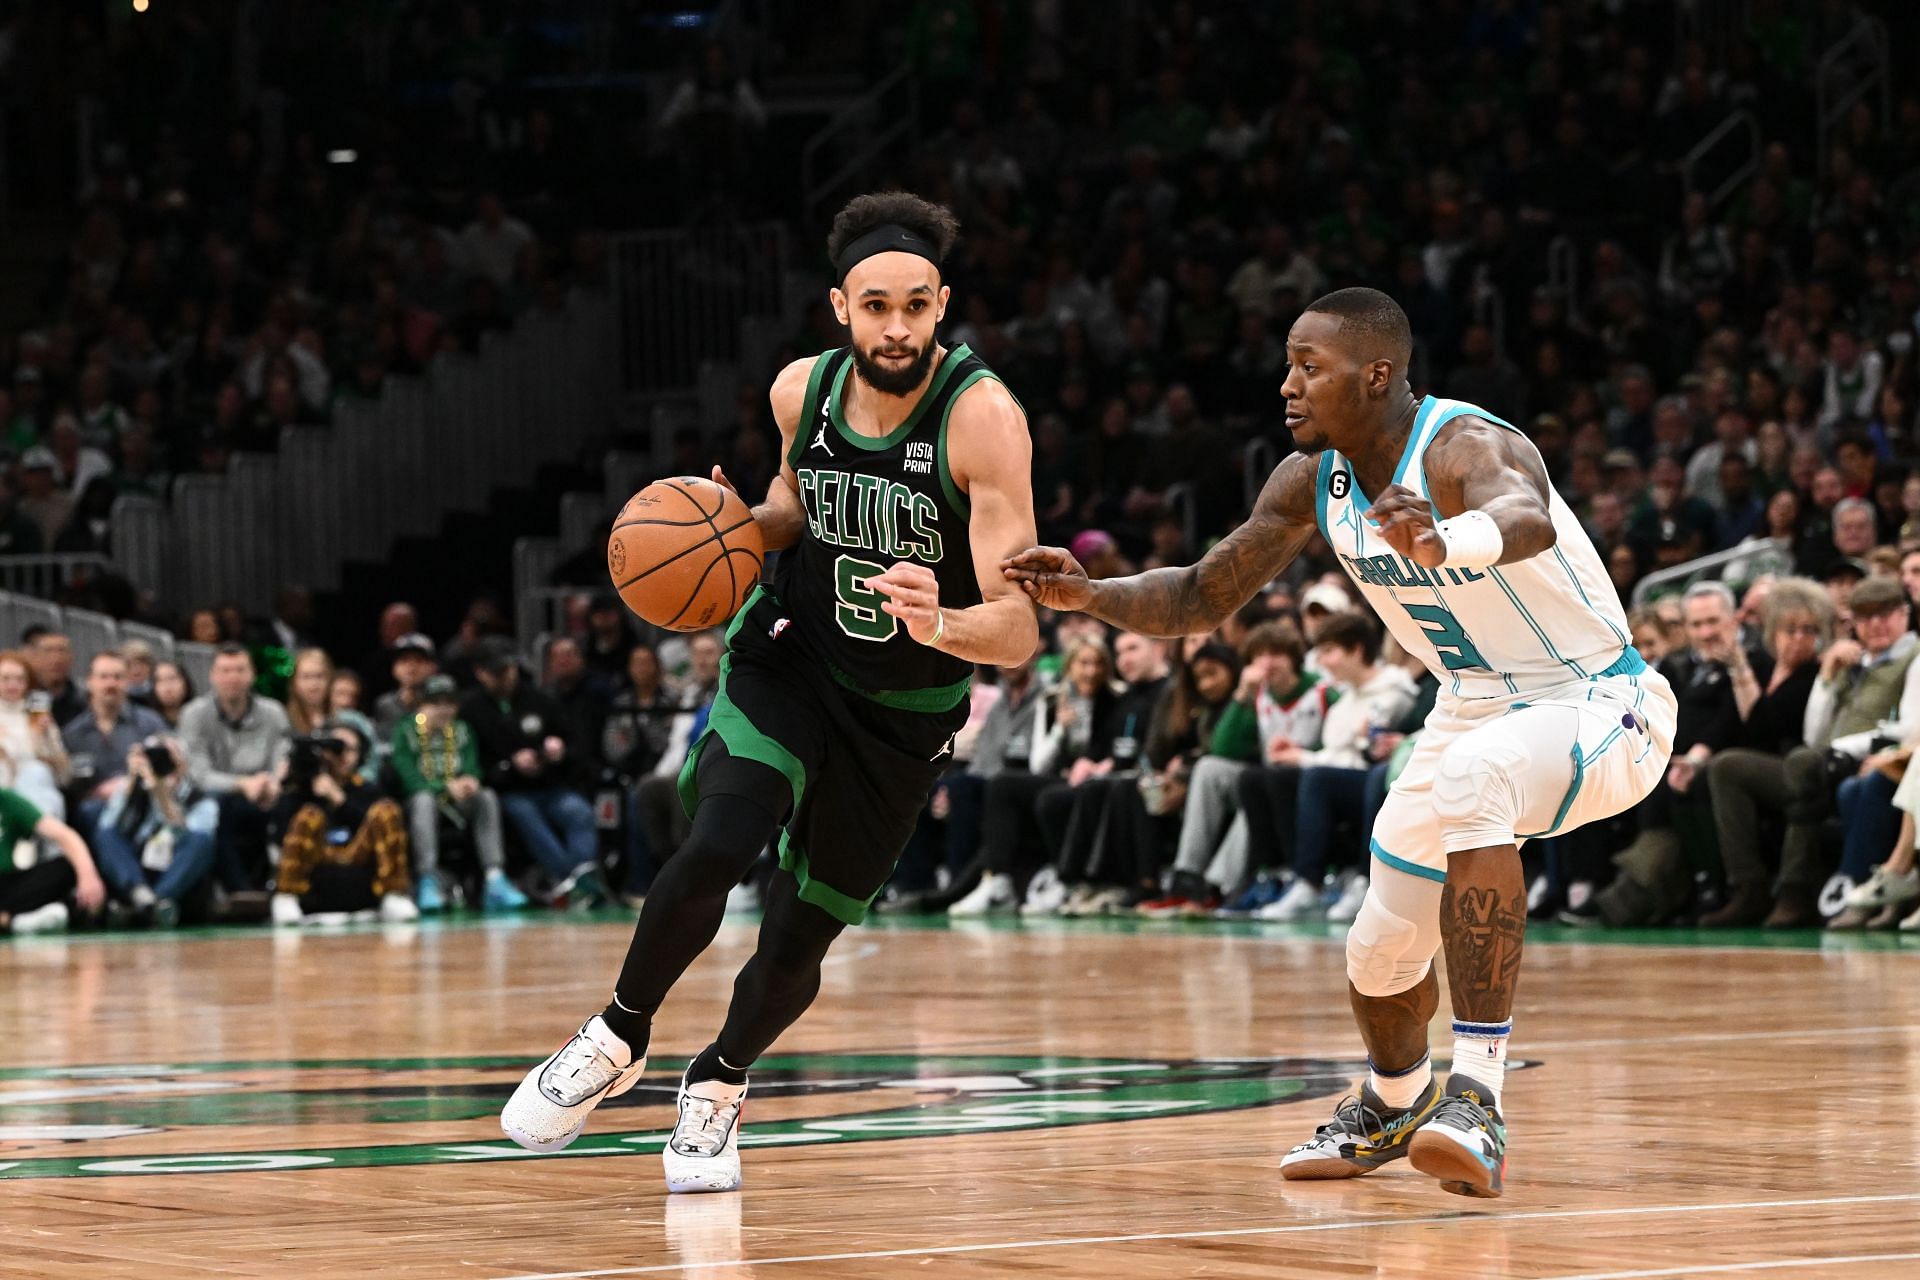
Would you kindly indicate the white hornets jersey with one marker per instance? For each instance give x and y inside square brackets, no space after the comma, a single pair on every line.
[1495,632]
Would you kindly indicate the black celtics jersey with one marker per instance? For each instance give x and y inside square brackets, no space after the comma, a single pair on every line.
[872,501]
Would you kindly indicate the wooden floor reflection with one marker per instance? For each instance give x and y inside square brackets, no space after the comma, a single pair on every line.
[1033,1100]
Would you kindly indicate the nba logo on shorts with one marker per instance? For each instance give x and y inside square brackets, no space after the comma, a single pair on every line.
[779,625]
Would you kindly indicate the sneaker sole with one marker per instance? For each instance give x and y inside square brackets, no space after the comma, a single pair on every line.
[1457,1169]
[701,1184]
[1325,1169]
[528,1142]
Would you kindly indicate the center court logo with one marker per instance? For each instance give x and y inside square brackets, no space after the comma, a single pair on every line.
[130,1120]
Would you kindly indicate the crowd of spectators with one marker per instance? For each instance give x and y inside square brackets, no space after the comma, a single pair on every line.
[221,282]
[1148,201]
[1145,212]
[449,775]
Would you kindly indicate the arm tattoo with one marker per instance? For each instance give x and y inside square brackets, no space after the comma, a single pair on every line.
[1484,930]
[1476,466]
[1198,597]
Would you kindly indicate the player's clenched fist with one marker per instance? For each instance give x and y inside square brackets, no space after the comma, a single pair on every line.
[1406,522]
[1051,576]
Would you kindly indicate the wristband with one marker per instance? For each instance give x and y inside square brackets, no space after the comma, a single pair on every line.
[1472,539]
[939,626]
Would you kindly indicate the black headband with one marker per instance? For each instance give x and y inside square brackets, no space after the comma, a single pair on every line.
[892,238]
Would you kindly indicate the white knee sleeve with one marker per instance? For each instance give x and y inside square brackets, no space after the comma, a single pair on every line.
[1476,794]
[1391,944]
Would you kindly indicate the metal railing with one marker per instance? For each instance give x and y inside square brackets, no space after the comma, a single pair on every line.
[89,632]
[850,140]
[679,297]
[534,560]
[160,641]
[385,469]
[1741,563]
[47,575]
[1853,68]
[1740,125]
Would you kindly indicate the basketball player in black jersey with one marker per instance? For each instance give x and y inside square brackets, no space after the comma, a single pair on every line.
[906,480]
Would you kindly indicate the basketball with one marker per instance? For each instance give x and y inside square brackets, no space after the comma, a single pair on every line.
[685,553]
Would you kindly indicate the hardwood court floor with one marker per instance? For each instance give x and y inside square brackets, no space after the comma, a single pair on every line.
[1064,1099]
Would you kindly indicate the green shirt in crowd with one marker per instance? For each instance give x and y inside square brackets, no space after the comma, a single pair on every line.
[18,818]
[427,761]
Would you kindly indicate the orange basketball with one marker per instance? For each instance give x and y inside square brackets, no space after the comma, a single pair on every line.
[685,553]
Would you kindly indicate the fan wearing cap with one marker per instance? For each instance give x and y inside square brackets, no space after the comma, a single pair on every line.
[42,500]
[413,664]
[438,768]
[529,753]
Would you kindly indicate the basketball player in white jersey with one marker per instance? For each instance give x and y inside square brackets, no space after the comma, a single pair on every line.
[1547,717]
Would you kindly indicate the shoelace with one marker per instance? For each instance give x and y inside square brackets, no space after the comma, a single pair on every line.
[1351,1117]
[582,1062]
[1464,1113]
[706,1137]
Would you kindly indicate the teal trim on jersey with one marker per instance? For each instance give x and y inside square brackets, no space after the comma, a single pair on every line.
[1455,409]
[1321,493]
[1415,442]
[1573,788]
[1629,663]
[1574,578]
[1402,865]
[1526,613]
[874,444]
[1409,456]
[956,499]
[809,407]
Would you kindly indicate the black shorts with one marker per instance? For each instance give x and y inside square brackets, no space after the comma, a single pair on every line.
[860,770]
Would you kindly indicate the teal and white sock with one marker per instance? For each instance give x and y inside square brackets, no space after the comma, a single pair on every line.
[1401,1089]
[1480,1053]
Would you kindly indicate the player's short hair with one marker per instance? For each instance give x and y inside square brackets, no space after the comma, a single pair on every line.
[932,222]
[234,649]
[1275,637]
[1372,317]
[1352,630]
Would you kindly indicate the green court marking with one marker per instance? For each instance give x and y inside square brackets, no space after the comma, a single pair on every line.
[1545,934]
[888,1096]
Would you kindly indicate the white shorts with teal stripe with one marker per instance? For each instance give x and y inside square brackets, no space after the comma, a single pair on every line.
[1574,754]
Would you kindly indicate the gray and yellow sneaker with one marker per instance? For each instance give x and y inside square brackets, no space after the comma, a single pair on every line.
[1364,1134]
[1464,1142]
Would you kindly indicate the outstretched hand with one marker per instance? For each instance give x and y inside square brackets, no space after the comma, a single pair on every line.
[1050,576]
[1406,523]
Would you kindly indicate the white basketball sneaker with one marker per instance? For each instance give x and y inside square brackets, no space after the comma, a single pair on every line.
[551,1106]
[704,1152]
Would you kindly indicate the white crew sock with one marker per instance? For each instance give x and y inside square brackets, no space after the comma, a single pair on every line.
[1401,1089]
[1480,1053]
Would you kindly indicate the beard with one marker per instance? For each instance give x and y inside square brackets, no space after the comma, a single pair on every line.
[888,380]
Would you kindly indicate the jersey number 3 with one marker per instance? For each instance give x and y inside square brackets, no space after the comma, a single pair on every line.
[857,606]
[1448,637]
